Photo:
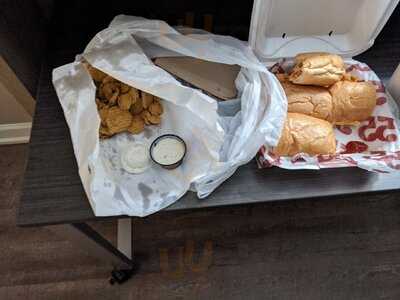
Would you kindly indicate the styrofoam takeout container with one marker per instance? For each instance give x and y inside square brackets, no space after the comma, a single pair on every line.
[283,28]
[280,29]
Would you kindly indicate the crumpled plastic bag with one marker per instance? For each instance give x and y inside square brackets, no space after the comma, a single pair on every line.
[218,143]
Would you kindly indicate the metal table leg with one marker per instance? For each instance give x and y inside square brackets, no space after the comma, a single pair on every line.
[124,237]
[124,267]
[119,259]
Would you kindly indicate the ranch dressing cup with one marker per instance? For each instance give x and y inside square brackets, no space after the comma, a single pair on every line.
[168,151]
[135,158]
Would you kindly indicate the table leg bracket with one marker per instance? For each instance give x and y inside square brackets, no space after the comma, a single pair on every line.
[120,256]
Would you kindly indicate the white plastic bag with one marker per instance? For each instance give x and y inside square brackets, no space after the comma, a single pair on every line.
[217,144]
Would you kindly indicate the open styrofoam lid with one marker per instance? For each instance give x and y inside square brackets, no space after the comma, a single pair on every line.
[283,28]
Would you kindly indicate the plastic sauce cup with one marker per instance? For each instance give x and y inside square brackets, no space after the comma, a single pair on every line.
[168,151]
[135,158]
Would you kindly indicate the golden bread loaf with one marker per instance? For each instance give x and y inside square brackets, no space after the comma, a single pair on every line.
[317,68]
[352,101]
[313,101]
[344,103]
[305,134]
[299,58]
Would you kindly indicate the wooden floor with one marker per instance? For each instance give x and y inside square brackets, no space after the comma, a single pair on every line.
[311,249]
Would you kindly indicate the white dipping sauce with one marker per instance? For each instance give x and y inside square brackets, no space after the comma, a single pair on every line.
[168,151]
[135,158]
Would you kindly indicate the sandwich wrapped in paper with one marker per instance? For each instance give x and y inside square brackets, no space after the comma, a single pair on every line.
[331,100]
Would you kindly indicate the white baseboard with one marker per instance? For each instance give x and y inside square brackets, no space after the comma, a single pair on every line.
[15,133]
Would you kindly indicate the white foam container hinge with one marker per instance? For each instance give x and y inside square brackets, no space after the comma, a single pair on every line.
[283,28]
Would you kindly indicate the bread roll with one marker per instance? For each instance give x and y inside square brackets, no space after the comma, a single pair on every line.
[347,102]
[352,101]
[302,56]
[318,68]
[305,134]
[309,100]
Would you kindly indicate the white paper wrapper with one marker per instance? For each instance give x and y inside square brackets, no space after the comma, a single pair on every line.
[373,145]
[217,143]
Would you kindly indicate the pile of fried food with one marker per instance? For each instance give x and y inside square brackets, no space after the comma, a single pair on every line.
[321,94]
[123,108]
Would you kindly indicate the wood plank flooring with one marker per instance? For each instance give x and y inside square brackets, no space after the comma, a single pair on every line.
[310,249]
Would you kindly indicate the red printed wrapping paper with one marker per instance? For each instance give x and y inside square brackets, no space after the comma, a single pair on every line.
[373,145]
